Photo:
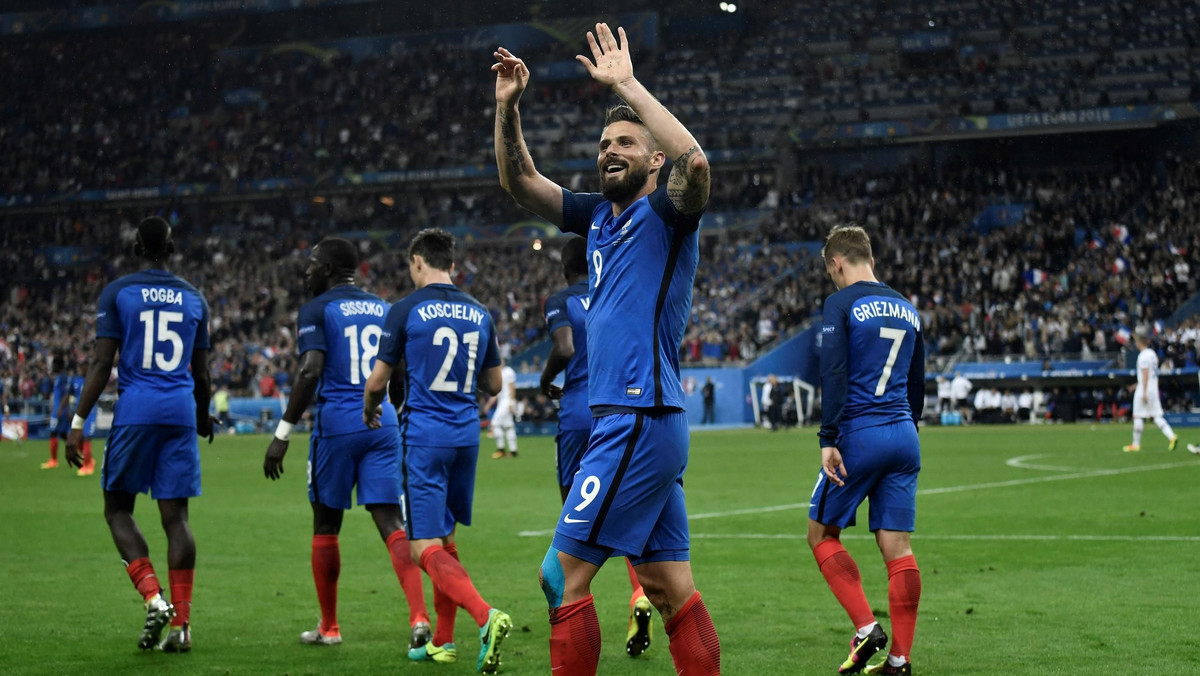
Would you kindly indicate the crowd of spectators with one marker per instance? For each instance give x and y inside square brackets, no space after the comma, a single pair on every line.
[1096,253]
[98,110]
[1025,291]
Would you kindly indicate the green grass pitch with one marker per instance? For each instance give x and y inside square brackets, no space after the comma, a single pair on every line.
[1044,550]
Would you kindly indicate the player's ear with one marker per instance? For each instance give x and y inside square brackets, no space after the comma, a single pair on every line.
[170,248]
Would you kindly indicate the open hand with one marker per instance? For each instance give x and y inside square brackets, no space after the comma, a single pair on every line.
[511,77]
[610,63]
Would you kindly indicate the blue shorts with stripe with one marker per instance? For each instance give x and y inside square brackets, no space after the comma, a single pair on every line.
[163,460]
[439,489]
[882,464]
[367,462]
[569,445]
[627,497]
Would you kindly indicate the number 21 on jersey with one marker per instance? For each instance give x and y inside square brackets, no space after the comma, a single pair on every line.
[449,337]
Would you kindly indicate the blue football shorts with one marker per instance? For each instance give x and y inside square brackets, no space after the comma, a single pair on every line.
[439,488]
[627,497]
[368,460]
[163,460]
[570,445]
[882,464]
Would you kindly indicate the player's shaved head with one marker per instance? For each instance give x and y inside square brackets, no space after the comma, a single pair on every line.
[849,242]
[435,246]
[574,257]
[154,241]
[338,253]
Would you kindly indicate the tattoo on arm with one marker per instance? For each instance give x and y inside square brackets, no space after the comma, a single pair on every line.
[514,150]
[687,186]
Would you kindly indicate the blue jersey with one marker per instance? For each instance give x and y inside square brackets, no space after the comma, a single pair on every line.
[872,360]
[445,339]
[159,319]
[569,307]
[62,388]
[643,263]
[345,323]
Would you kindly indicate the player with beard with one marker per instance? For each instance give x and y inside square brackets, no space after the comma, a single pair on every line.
[642,249]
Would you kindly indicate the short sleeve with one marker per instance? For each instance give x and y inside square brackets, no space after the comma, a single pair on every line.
[108,322]
[202,342]
[556,312]
[310,329]
[577,211]
[391,343]
[662,205]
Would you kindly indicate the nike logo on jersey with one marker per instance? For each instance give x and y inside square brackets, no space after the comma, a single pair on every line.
[595,227]
[568,519]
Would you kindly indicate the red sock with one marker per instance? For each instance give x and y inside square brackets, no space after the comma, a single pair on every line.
[447,573]
[141,574]
[87,453]
[326,566]
[181,595]
[53,448]
[695,646]
[410,577]
[575,638]
[445,607]
[844,580]
[638,592]
[904,595]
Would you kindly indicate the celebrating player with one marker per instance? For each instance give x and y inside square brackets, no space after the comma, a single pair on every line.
[873,386]
[1146,403]
[339,334]
[566,320]
[444,345]
[159,323]
[504,415]
[642,246]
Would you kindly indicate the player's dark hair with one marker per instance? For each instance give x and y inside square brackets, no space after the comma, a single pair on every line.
[850,242]
[574,257]
[58,363]
[339,253]
[154,241]
[436,246]
[623,113]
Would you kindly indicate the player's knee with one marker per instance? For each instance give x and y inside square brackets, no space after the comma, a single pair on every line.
[552,578]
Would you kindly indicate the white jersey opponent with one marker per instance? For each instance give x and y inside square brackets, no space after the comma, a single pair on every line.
[1146,403]
[502,415]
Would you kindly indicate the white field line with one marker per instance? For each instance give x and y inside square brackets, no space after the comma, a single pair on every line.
[998,537]
[937,491]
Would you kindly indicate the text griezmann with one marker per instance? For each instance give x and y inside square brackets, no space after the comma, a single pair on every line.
[452,311]
[883,308]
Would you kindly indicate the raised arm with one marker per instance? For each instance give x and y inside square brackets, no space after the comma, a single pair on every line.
[518,176]
[689,181]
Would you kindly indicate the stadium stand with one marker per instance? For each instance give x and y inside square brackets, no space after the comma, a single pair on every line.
[256,151]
